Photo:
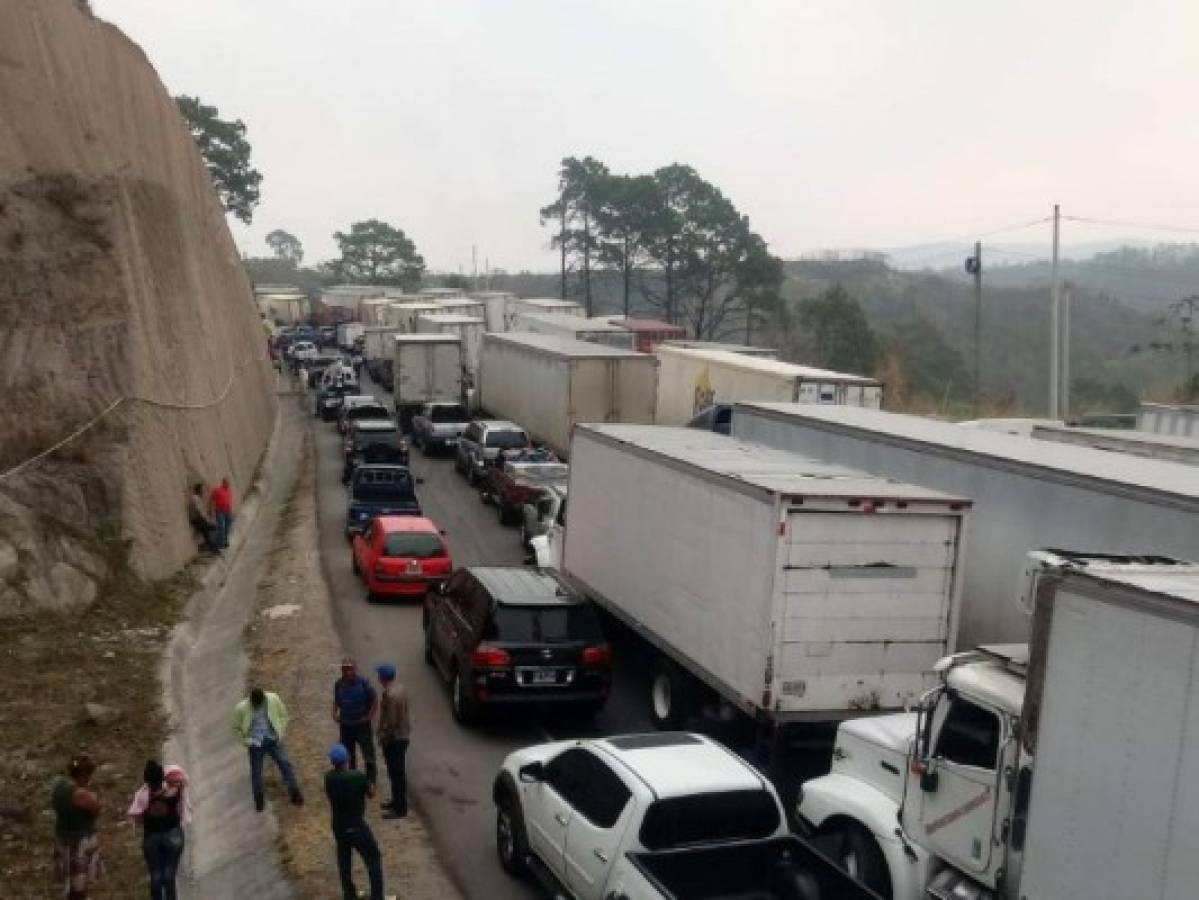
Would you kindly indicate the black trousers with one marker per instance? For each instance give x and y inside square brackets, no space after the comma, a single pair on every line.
[394,753]
[361,735]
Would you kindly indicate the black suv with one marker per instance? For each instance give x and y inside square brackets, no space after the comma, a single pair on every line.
[373,441]
[504,636]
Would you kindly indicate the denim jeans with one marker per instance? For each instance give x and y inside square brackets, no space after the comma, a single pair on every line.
[276,751]
[361,839]
[162,851]
[361,735]
[224,525]
[393,757]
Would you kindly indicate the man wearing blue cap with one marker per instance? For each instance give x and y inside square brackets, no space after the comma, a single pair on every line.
[394,731]
[347,790]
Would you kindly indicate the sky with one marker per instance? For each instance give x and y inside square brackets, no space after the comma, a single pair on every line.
[829,123]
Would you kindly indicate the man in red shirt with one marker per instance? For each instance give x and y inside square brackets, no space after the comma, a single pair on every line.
[222,511]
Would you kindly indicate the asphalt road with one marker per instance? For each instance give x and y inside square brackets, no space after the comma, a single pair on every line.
[451,769]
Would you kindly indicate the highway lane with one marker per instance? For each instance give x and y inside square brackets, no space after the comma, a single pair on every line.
[450,768]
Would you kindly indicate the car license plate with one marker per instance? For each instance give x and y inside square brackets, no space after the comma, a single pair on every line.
[544,676]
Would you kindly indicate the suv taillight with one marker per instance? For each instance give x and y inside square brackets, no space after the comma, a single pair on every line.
[599,655]
[486,657]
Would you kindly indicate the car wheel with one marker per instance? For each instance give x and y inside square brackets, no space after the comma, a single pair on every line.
[511,843]
[371,596]
[428,642]
[859,855]
[464,706]
[502,512]
[472,477]
[669,695]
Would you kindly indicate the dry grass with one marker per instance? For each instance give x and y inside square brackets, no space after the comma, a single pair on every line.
[298,656]
[53,663]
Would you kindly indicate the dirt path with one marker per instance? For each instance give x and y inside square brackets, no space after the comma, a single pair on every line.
[295,651]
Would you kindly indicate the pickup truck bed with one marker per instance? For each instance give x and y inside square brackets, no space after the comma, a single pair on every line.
[782,868]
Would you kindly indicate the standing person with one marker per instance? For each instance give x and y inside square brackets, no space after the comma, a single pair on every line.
[354,704]
[162,807]
[198,516]
[222,511]
[260,722]
[347,790]
[77,863]
[395,728]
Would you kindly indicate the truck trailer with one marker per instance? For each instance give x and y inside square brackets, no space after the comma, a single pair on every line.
[1027,493]
[793,590]
[469,330]
[1063,769]
[691,380]
[548,384]
[426,368]
[579,328]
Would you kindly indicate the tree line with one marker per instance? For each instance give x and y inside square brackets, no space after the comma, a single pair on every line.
[670,237]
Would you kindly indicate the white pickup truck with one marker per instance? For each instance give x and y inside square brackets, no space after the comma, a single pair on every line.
[665,816]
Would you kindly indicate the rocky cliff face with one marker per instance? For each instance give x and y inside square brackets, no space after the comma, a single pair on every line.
[120,290]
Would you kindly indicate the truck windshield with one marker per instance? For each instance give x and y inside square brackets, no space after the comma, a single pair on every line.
[539,624]
[448,414]
[507,440]
[709,819]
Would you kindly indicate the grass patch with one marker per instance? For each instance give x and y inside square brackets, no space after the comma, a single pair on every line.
[54,662]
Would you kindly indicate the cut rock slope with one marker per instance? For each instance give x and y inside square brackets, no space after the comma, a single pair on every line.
[121,287]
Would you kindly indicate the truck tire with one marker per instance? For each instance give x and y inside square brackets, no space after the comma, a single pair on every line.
[463,705]
[511,843]
[859,855]
[669,695]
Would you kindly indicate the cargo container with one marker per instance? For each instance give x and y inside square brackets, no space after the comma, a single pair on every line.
[373,310]
[469,330]
[1123,440]
[691,380]
[495,305]
[377,342]
[595,331]
[539,305]
[426,368]
[349,332]
[463,306]
[1027,493]
[743,349]
[547,384]
[648,333]
[794,590]
[439,293]
[1161,419]
[404,315]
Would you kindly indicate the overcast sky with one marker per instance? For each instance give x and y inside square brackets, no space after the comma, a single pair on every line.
[830,124]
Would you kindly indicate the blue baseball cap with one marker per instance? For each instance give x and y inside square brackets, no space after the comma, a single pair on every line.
[339,755]
[386,671]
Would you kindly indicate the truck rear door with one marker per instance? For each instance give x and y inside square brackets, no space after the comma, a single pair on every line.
[865,606]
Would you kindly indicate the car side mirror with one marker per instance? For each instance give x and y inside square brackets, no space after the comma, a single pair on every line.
[928,779]
[531,773]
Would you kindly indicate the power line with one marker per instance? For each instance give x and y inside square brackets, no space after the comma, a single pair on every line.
[924,246]
[1180,229]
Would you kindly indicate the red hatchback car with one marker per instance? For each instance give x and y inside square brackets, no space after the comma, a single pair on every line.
[401,556]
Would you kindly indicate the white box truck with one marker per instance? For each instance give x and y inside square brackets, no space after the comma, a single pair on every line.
[793,590]
[690,380]
[540,305]
[495,305]
[547,384]
[463,306]
[1064,769]
[426,368]
[1027,493]
[404,315]
[469,330]
[579,328]
[347,333]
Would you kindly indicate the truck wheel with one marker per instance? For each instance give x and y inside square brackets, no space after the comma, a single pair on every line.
[859,855]
[511,844]
[669,695]
[464,706]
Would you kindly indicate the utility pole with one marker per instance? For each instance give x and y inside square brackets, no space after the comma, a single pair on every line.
[974,265]
[1055,321]
[1065,359]
[474,268]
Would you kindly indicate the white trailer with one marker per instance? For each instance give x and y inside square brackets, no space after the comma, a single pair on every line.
[548,384]
[743,349]
[691,380]
[579,328]
[794,590]
[1124,440]
[540,305]
[404,315]
[1065,769]
[347,333]
[469,330]
[1027,493]
[373,310]
[495,305]
[426,368]
[376,342]
[1162,419]
[463,306]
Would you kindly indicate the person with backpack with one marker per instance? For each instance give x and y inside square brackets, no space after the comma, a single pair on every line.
[162,807]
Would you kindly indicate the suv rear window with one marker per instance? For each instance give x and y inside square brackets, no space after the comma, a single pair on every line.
[544,624]
[507,440]
[709,818]
[420,544]
[447,414]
